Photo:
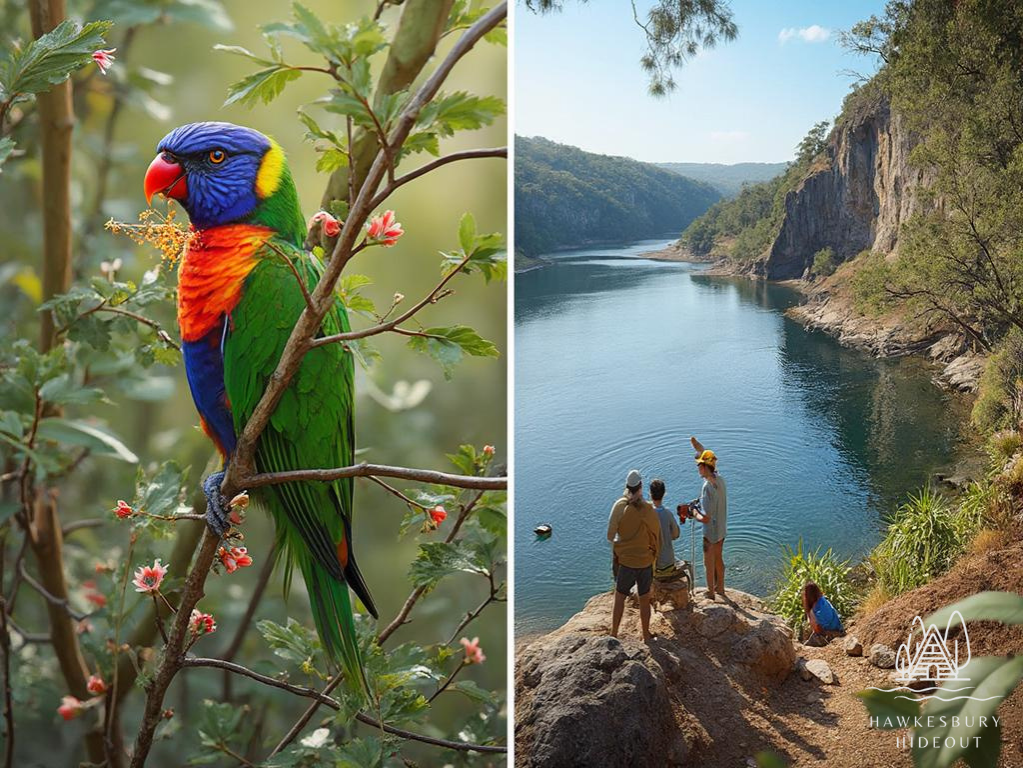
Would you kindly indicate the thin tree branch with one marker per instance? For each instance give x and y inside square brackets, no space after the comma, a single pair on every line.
[397,493]
[369,470]
[391,325]
[469,617]
[469,154]
[51,598]
[79,525]
[321,698]
[418,592]
[250,611]
[448,681]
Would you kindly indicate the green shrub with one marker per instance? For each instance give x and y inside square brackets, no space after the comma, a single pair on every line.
[925,538]
[999,392]
[869,294]
[824,263]
[1002,447]
[823,568]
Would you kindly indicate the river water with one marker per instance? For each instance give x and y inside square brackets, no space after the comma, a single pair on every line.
[619,359]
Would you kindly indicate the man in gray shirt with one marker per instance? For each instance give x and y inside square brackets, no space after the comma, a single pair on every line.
[666,565]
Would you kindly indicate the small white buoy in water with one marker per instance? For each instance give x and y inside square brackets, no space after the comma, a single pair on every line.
[543,530]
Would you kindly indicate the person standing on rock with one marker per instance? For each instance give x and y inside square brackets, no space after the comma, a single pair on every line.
[712,514]
[635,533]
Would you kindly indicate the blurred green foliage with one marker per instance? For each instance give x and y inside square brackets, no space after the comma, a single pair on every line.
[128,427]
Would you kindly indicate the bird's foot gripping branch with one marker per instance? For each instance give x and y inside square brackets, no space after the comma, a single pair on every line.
[271,370]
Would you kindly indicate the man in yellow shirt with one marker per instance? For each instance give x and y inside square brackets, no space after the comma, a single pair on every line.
[635,533]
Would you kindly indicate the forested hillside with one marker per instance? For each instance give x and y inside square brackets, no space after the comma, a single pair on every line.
[566,197]
[729,179]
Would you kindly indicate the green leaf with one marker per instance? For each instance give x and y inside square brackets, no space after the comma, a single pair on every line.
[238,50]
[459,111]
[163,493]
[467,232]
[437,559]
[473,691]
[1004,607]
[79,433]
[993,678]
[264,85]
[51,58]
[63,391]
[292,642]
[331,160]
[447,345]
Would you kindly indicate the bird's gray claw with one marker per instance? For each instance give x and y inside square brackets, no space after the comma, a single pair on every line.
[217,510]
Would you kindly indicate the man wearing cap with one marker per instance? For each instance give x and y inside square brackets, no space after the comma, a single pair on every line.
[635,533]
[712,514]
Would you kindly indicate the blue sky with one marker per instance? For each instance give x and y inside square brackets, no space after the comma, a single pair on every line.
[578,81]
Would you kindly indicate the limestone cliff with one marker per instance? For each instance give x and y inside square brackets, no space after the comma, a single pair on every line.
[853,199]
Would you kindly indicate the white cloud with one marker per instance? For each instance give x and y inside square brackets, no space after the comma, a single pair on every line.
[728,137]
[811,34]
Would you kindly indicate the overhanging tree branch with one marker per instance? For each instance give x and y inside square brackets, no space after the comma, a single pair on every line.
[378,470]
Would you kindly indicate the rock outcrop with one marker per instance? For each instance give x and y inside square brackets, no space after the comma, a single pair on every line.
[584,698]
[855,199]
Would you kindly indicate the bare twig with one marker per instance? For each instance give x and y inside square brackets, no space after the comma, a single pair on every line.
[391,325]
[51,598]
[418,592]
[469,617]
[250,611]
[369,470]
[469,154]
[448,681]
[328,701]
[79,525]
[397,493]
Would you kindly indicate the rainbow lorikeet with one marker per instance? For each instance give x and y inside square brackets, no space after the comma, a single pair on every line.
[238,301]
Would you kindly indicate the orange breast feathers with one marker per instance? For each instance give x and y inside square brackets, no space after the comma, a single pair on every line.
[211,275]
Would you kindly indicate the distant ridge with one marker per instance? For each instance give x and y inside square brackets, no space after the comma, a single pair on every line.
[728,179]
[566,197]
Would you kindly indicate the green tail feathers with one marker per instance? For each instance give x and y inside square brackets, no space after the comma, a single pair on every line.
[332,614]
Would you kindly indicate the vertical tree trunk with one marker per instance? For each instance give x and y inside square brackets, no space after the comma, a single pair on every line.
[55,122]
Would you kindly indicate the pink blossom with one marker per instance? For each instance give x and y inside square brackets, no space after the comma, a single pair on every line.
[474,655]
[488,450]
[123,510]
[149,577]
[70,708]
[201,623]
[104,59]
[438,514]
[234,558]
[83,627]
[330,225]
[96,684]
[96,598]
[385,228]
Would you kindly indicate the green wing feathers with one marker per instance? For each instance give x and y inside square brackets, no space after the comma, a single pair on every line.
[312,428]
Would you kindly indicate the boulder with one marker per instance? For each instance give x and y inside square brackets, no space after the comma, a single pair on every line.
[853,646]
[882,656]
[819,668]
[671,595]
[592,700]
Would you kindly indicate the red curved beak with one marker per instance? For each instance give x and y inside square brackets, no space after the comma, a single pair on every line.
[166,178]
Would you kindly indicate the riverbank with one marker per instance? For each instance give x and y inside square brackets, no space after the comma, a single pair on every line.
[724,681]
[830,307]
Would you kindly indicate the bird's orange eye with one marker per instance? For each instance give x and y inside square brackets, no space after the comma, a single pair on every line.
[217,156]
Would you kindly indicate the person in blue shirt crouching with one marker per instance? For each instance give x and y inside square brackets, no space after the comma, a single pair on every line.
[821,615]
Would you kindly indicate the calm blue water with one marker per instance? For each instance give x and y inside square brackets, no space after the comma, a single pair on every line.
[620,359]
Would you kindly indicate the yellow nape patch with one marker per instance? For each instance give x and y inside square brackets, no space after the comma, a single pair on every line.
[269,176]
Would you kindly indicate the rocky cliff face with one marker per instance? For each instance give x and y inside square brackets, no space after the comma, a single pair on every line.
[854,200]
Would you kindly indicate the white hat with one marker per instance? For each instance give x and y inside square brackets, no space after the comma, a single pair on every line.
[633,478]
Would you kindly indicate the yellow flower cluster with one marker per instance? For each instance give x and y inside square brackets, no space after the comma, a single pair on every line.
[158,230]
